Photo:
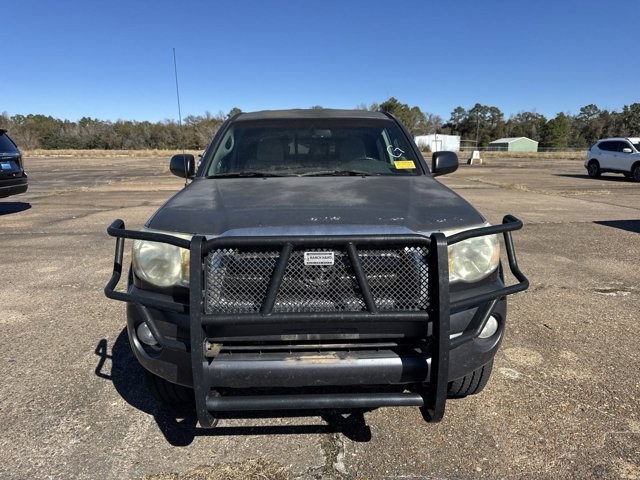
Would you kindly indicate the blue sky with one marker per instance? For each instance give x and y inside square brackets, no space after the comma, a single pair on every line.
[114,60]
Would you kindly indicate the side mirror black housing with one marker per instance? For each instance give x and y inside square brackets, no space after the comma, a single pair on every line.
[443,163]
[183,165]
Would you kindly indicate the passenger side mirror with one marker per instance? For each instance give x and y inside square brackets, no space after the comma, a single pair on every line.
[443,163]
[627,150]
[183,165]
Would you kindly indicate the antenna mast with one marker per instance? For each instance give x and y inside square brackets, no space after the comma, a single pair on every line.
[175,71]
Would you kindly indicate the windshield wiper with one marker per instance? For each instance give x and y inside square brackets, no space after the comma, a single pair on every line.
[246,174]
[338,173]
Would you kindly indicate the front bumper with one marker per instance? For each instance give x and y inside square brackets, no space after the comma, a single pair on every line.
[393,358]
[312,365]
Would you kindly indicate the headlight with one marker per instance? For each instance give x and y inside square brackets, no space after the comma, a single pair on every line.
[161,264]
[473,259]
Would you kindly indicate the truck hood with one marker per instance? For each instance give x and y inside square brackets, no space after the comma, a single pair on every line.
[314,205]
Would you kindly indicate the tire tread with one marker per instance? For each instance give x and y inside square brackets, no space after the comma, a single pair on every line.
[170,395]
[470,384]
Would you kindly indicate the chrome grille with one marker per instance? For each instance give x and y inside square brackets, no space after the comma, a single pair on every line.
[236,281]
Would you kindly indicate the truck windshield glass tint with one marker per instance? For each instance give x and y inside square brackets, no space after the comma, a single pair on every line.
[314,149]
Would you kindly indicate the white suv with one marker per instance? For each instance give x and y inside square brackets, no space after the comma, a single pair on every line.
[616,155]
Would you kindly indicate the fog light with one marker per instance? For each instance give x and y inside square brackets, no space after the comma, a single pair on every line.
[490,328]
[145,335]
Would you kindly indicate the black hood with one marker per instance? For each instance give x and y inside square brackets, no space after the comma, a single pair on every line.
[312,205]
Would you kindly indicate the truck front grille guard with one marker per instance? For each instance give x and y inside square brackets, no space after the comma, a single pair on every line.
[237,280]
[434,308]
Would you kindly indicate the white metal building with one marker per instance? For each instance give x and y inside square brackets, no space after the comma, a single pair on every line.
[437,142]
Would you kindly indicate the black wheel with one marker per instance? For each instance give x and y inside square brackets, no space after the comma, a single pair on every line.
[472,383]
[175,398]
[593,169]
[635,172]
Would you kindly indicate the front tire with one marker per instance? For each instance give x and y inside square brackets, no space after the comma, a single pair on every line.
[593,169]
[635,172]
[470,384]
[175,398]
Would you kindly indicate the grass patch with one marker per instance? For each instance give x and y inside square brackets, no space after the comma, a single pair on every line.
[541,155]
[70,153]
[579,155]
[250,470]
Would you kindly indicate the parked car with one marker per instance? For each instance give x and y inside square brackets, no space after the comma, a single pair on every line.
[615,155]
[13,179]
[314,262]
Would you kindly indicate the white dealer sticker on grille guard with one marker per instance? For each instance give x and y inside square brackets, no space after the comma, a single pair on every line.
[318,258]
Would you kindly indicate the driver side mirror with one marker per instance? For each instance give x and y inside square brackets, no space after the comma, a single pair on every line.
[627,150]
[443,163]
[183,165]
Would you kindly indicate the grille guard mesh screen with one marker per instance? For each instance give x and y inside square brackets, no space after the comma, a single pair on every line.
[236,281]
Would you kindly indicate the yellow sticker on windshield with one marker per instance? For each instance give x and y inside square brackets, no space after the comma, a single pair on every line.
[404,164]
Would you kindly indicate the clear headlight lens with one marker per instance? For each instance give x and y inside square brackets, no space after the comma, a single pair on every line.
[161,264]
[473,259]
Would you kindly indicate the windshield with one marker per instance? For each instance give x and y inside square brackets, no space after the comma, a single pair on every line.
[312,147]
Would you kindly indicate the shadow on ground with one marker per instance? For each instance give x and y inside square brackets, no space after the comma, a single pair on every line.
[7,208]
[628,225]
[128,378]
[606,178]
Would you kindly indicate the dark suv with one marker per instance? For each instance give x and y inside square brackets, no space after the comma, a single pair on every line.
[314,262]
[13,179]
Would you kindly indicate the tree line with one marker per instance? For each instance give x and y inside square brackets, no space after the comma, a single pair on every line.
[49,133]
[481,124]
[477,126]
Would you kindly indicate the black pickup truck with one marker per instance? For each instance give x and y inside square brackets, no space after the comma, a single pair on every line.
[314,262]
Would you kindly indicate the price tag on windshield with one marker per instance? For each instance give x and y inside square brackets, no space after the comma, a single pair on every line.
[404,164]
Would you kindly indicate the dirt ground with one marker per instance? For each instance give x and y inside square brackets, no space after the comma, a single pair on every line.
[563,401]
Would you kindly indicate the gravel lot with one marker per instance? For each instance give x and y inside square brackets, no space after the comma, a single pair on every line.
[563,402]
